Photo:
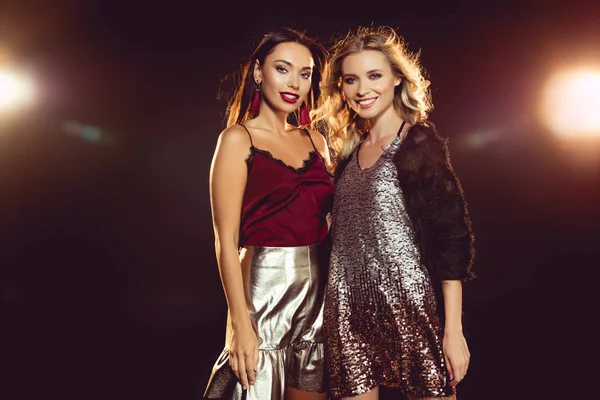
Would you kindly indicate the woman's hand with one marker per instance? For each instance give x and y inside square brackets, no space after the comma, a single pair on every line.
[243,354]
[457,356]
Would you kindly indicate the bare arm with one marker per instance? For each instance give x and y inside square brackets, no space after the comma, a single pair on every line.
[452,292]
[228,176]
[227,183]
[456,350]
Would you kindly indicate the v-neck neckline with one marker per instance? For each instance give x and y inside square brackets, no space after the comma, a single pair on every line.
[384,149]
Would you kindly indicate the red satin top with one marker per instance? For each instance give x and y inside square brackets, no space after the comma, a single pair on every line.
[284,206]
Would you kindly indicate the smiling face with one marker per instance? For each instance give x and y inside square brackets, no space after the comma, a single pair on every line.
[368,83]
[285,76]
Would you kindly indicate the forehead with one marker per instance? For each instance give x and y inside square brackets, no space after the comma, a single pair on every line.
[364,61]
[295,53]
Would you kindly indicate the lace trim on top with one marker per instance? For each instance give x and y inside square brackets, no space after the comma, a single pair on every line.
[312,156]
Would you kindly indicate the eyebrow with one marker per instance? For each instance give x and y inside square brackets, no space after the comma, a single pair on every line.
[291,65]
[368,73]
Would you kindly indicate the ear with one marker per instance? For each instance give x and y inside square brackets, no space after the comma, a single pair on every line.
[257,72]
[397,81]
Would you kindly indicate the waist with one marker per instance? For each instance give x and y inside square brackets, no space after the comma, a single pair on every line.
[282,232]
[278,257]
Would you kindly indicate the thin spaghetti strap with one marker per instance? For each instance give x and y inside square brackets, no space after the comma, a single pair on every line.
[310,137]
[400,130]
[249,135]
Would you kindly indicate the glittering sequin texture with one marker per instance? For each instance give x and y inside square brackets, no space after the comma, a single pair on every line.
[380,317]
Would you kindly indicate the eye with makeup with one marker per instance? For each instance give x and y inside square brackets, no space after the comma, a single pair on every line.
[281,69]
[374,76]
[305,75]
[349,80]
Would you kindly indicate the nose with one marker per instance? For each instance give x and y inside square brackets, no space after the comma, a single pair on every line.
[294,82]
[362,89]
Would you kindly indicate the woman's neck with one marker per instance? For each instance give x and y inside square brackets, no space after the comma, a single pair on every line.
[269,120]
[384,126]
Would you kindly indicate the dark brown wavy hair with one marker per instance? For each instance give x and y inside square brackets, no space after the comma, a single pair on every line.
[237,110]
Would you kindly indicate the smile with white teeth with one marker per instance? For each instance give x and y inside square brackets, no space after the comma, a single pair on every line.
[366,103]
[290,96]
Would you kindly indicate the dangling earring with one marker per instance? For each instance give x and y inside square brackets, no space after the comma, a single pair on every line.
[304,115]
[255,106]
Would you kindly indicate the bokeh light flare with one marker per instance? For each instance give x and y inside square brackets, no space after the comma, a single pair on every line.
[15,90]
[571,106]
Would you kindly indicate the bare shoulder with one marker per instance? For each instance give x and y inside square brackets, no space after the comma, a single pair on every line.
[234,135]
[319,140]
[234,142]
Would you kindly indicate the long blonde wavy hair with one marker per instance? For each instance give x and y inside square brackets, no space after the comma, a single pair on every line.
[343,128]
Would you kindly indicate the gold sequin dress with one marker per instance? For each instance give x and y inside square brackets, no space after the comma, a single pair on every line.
[380,317]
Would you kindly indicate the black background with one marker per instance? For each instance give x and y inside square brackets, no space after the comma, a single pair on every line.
[109,283]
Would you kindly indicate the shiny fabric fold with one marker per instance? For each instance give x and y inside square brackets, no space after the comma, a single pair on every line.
[284,290]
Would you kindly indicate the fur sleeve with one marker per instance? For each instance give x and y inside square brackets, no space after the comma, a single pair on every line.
[436,203]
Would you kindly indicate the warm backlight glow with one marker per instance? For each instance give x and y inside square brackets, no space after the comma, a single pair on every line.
[14,90]
[572,104]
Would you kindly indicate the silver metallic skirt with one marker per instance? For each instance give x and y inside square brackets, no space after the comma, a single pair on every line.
[284,289]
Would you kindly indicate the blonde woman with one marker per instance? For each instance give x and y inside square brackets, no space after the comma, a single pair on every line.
[402,243]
